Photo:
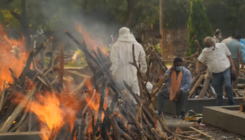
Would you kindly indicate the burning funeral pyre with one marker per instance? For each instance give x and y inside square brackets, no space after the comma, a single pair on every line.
[36,98]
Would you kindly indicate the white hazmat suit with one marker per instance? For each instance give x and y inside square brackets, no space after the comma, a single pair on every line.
[121,55]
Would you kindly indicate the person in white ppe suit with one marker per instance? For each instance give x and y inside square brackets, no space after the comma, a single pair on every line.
[122,55]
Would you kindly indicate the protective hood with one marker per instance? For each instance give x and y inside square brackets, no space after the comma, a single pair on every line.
[126,36]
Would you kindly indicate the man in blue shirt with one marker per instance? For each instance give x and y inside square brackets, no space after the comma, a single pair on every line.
[179,83]
[235,48]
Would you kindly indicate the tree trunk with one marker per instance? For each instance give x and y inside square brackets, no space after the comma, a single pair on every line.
[24,21]
[130,12]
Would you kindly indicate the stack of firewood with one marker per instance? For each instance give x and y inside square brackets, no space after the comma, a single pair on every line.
[156,66]
[201,86]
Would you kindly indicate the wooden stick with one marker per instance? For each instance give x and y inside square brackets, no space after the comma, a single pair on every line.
[21,120]
[188,137]
[2,96]
[79,74]
[78,88]
[118,132]
[61,68]
[6,126]
[204,134]
[196,85]
[158,87]
[242,107]
[205,86]
[244,95]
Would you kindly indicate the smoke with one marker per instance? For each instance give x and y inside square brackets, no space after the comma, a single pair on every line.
[61,15]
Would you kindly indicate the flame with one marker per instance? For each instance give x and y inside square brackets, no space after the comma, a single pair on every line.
[90,42]
[52,114]
[8,58]
[93,102]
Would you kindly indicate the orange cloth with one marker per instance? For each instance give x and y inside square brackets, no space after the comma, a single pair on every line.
[175,84]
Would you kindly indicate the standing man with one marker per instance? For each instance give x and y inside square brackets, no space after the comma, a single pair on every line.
[235,48]
[229,38]
[40,40]
[121,56]
[216,37]
[179,83]
[218,59]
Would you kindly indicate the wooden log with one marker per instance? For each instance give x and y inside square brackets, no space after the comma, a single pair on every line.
[184,126]
[80,74]
[205,85]
[158,87]
[196,85]
[242,107]
[61,68]
[244,95]
[187,137]
[194,80]
[211,91]
[78,88]
[204,134]
[6,126]
[2,96]
[240,86]
[118,132]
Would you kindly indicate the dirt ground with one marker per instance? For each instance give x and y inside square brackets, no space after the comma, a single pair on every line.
[216,133]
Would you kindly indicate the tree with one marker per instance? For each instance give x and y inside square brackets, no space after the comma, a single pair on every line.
[198,25]
[227,15]
[21,15]
[176,13]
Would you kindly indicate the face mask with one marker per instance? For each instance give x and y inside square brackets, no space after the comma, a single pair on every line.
[179,68]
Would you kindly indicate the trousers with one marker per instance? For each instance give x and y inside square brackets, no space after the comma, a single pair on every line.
[237,65]
[220,79]
[40,56]
[182,102]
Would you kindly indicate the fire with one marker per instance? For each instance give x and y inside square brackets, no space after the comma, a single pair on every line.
[93,102]
[52,114]
[9,58]
[90,42]
[55,110]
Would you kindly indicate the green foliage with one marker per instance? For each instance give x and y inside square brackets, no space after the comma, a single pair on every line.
[227,15]
[176,13]
[198,24]
[157,47]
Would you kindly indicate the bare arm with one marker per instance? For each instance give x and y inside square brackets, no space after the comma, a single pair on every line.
[198,65]
[232,64]
[240,57]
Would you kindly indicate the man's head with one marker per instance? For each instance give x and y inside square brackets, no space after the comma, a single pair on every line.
[209,42]
[237,36]
[40,31]
[178,64]
[233,34]
[216,34]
